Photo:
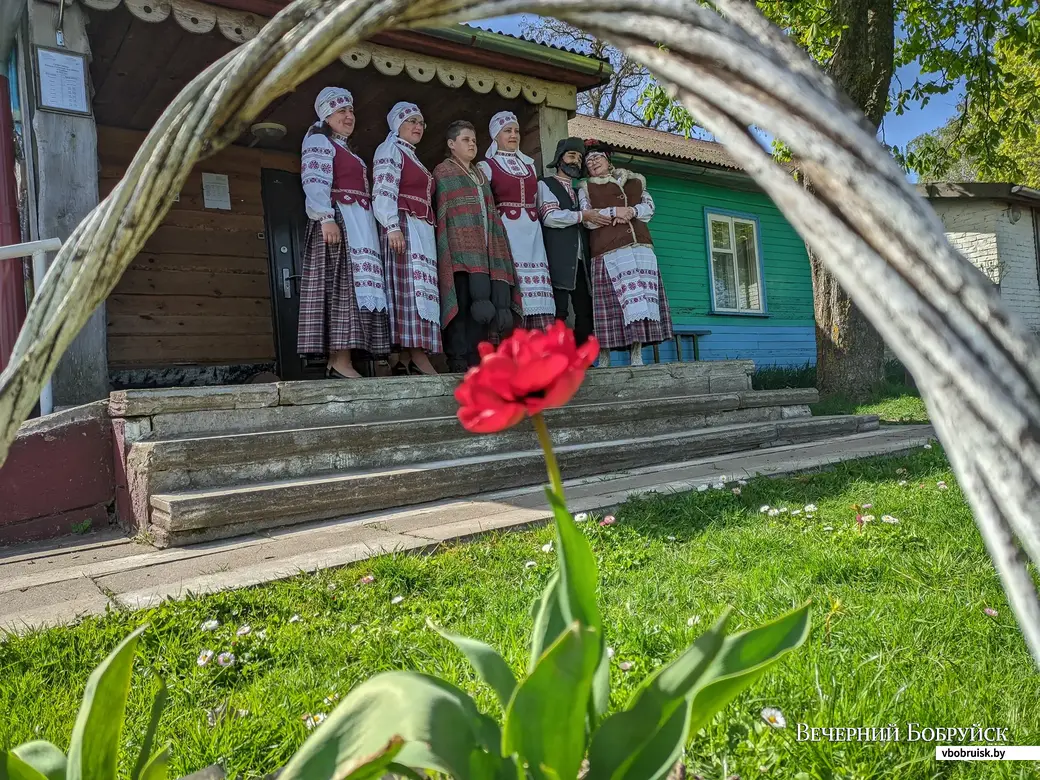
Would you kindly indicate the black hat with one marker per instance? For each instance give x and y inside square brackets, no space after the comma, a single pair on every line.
[565,145]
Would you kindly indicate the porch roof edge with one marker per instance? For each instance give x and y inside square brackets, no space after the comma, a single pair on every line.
[594,71]
[500,43]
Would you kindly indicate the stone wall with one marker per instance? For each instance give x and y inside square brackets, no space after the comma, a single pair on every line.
[971,226]
[1019,287]
[1004,250]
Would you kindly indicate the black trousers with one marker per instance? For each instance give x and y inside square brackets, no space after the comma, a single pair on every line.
[581,296]
[463,333]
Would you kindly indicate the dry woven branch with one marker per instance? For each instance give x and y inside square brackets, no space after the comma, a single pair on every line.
[978,366]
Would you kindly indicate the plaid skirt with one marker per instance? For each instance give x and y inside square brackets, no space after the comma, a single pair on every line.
[609,320]
[407,329]
[539,321]
[330,320]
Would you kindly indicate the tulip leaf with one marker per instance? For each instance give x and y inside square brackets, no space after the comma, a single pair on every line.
[578,573]
[439,725]
[579,580]
[94,747]
[545,721]
[745,657]
[490,666]
[44,757]
[639,742]
[548,620]
[157,766]
[143,760]
[12,767]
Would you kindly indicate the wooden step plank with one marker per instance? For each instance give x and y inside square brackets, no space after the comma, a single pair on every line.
[291,501]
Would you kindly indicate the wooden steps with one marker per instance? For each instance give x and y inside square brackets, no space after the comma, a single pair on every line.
[210,463]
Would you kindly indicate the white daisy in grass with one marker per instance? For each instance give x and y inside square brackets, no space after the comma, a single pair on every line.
[547,547]
[530,565]
[691,622]
[625,666]
[764,508]
[774,717]
[581,517]
[610,652]
[736,491]
[210,625]
[244,631]
[795,512]
[226,659]
[810,507]
[702,488]
[397,599]
[204,657]
[295,619]
[890,519]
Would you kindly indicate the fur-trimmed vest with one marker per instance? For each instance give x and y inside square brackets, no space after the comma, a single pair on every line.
[606,192]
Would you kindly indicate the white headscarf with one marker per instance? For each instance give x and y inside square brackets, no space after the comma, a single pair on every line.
[500,122]
[330,100]
[400,112]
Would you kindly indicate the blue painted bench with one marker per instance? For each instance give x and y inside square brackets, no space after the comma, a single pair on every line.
[682,332]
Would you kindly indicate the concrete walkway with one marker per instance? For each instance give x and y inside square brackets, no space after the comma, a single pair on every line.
[47,584]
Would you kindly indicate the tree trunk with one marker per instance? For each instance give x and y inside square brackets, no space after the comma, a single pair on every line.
[849,352]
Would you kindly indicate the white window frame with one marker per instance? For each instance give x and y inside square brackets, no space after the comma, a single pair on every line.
[731,220]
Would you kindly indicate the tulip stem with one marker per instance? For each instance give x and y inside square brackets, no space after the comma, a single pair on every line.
[550,457]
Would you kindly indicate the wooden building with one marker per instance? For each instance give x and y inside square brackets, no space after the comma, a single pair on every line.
[212,299]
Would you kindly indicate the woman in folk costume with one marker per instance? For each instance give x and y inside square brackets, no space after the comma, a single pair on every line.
[403,198]
[343,303]
[630,309]
[514,182]
[479,293]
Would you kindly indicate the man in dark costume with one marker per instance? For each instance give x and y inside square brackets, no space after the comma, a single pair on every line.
[478,287]
[566,239]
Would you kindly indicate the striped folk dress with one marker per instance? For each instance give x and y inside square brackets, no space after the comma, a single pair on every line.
[403,200]
[343,290]
[515,185]
[627,276]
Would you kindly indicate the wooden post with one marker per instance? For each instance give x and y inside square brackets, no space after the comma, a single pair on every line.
[552,128]
[65,147]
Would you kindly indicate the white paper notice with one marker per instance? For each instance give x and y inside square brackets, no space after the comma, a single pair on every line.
[216,192]
[63,82]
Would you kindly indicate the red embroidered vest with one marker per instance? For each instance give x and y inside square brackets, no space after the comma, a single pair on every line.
[415,195]
[350,179]
[514,193]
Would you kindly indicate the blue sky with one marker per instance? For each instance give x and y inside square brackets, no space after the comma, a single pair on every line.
[896,130]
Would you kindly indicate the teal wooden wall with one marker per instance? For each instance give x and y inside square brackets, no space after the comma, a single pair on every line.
[786,336]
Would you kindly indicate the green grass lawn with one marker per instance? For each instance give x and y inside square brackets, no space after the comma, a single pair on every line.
[899,630]
[893,402]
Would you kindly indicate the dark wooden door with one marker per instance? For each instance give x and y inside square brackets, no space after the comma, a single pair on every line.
[286,224]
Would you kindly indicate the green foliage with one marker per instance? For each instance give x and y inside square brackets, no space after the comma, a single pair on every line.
[94,748]
[551,715]
[987,49]
[405,721]
[951,153]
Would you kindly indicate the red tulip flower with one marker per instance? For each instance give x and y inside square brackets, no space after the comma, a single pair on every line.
[531,371]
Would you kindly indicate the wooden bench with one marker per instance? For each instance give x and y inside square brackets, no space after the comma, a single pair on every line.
[680,332]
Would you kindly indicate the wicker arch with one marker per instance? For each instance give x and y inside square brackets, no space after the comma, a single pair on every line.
[977,365]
